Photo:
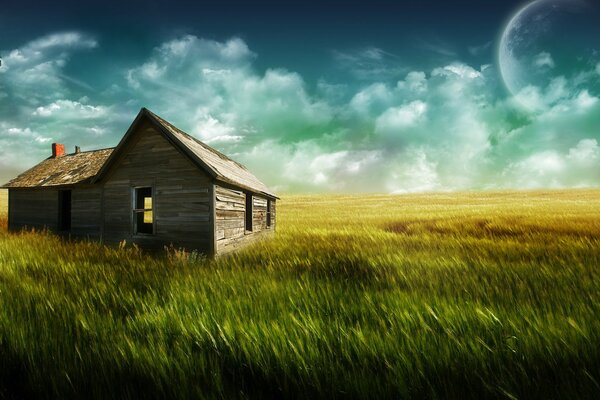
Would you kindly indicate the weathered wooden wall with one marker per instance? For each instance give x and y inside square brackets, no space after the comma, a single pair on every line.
[230,216]
[38,208]
[33,208]
[259,214]
[86,212]
[273,214]
[183,195]
[230,209]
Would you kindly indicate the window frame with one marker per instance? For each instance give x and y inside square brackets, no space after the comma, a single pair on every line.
[135,211]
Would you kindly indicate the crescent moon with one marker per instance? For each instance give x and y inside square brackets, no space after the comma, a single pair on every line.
[510,67]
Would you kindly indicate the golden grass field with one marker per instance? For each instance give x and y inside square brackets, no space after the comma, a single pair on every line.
[447,295]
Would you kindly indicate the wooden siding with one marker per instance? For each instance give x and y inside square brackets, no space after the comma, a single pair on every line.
[229,216]
[230,211]
[86,212]
[182,205]
[33,208]
[259,213]
[273,214]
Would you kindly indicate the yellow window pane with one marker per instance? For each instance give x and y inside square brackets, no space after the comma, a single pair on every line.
[148,217]
[147,203]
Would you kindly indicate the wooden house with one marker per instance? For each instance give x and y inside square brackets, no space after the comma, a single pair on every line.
[159,186]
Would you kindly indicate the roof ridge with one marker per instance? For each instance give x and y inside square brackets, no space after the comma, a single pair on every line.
[87,151]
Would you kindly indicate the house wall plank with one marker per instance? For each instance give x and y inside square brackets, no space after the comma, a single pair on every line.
[33,208]
[86,213]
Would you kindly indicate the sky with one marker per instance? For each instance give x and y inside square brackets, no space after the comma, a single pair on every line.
[339,96]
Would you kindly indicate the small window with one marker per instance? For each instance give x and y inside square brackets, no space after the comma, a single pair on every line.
[248,212]
[143,217]
[268,213]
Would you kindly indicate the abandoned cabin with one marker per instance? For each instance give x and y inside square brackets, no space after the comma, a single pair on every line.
[158,187]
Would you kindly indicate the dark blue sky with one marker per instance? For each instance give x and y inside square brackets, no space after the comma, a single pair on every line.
[390,96]
[297,35]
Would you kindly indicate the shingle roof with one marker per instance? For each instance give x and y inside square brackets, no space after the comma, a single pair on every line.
[224,168]
[66,170]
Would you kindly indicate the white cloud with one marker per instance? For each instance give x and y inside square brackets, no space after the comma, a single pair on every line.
[416,174]
[40,48]
[531,98]
[212,130]
[579,166]
[180,60]
[397,118]
[63,39]
[34,72]
[538,170]
[586,152]
[374,96]
[68,109]
[457,69]
[584,100]
[370,63]
[415,81]
[543,60]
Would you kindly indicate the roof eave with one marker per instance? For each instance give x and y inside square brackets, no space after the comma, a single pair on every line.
[245,187]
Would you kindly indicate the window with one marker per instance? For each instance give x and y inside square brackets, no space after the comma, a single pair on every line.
[268,213]
[143,218]
[248,211]
[64,210]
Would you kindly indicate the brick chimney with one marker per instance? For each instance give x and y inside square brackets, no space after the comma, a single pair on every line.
[77,149]
[58,150]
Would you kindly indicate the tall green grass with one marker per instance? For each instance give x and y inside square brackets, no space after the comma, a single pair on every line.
[473,295]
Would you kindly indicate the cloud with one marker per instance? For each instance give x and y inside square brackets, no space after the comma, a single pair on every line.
[370,63]
[182,59]
[415,81]
[395,119]
[586,152]
[480,49]
[543,60]
[417,174]
[577,167]
[459,70]
[62,39]
[35,70]
[68,109]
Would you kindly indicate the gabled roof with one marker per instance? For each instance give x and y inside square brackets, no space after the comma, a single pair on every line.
[216,164]
[65,170]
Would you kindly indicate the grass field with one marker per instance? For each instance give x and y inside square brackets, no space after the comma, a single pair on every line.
[480,295]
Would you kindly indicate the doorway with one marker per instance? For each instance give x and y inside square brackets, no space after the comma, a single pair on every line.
[64,210]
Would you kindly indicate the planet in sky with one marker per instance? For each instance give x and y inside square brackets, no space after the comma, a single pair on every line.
[546,45]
